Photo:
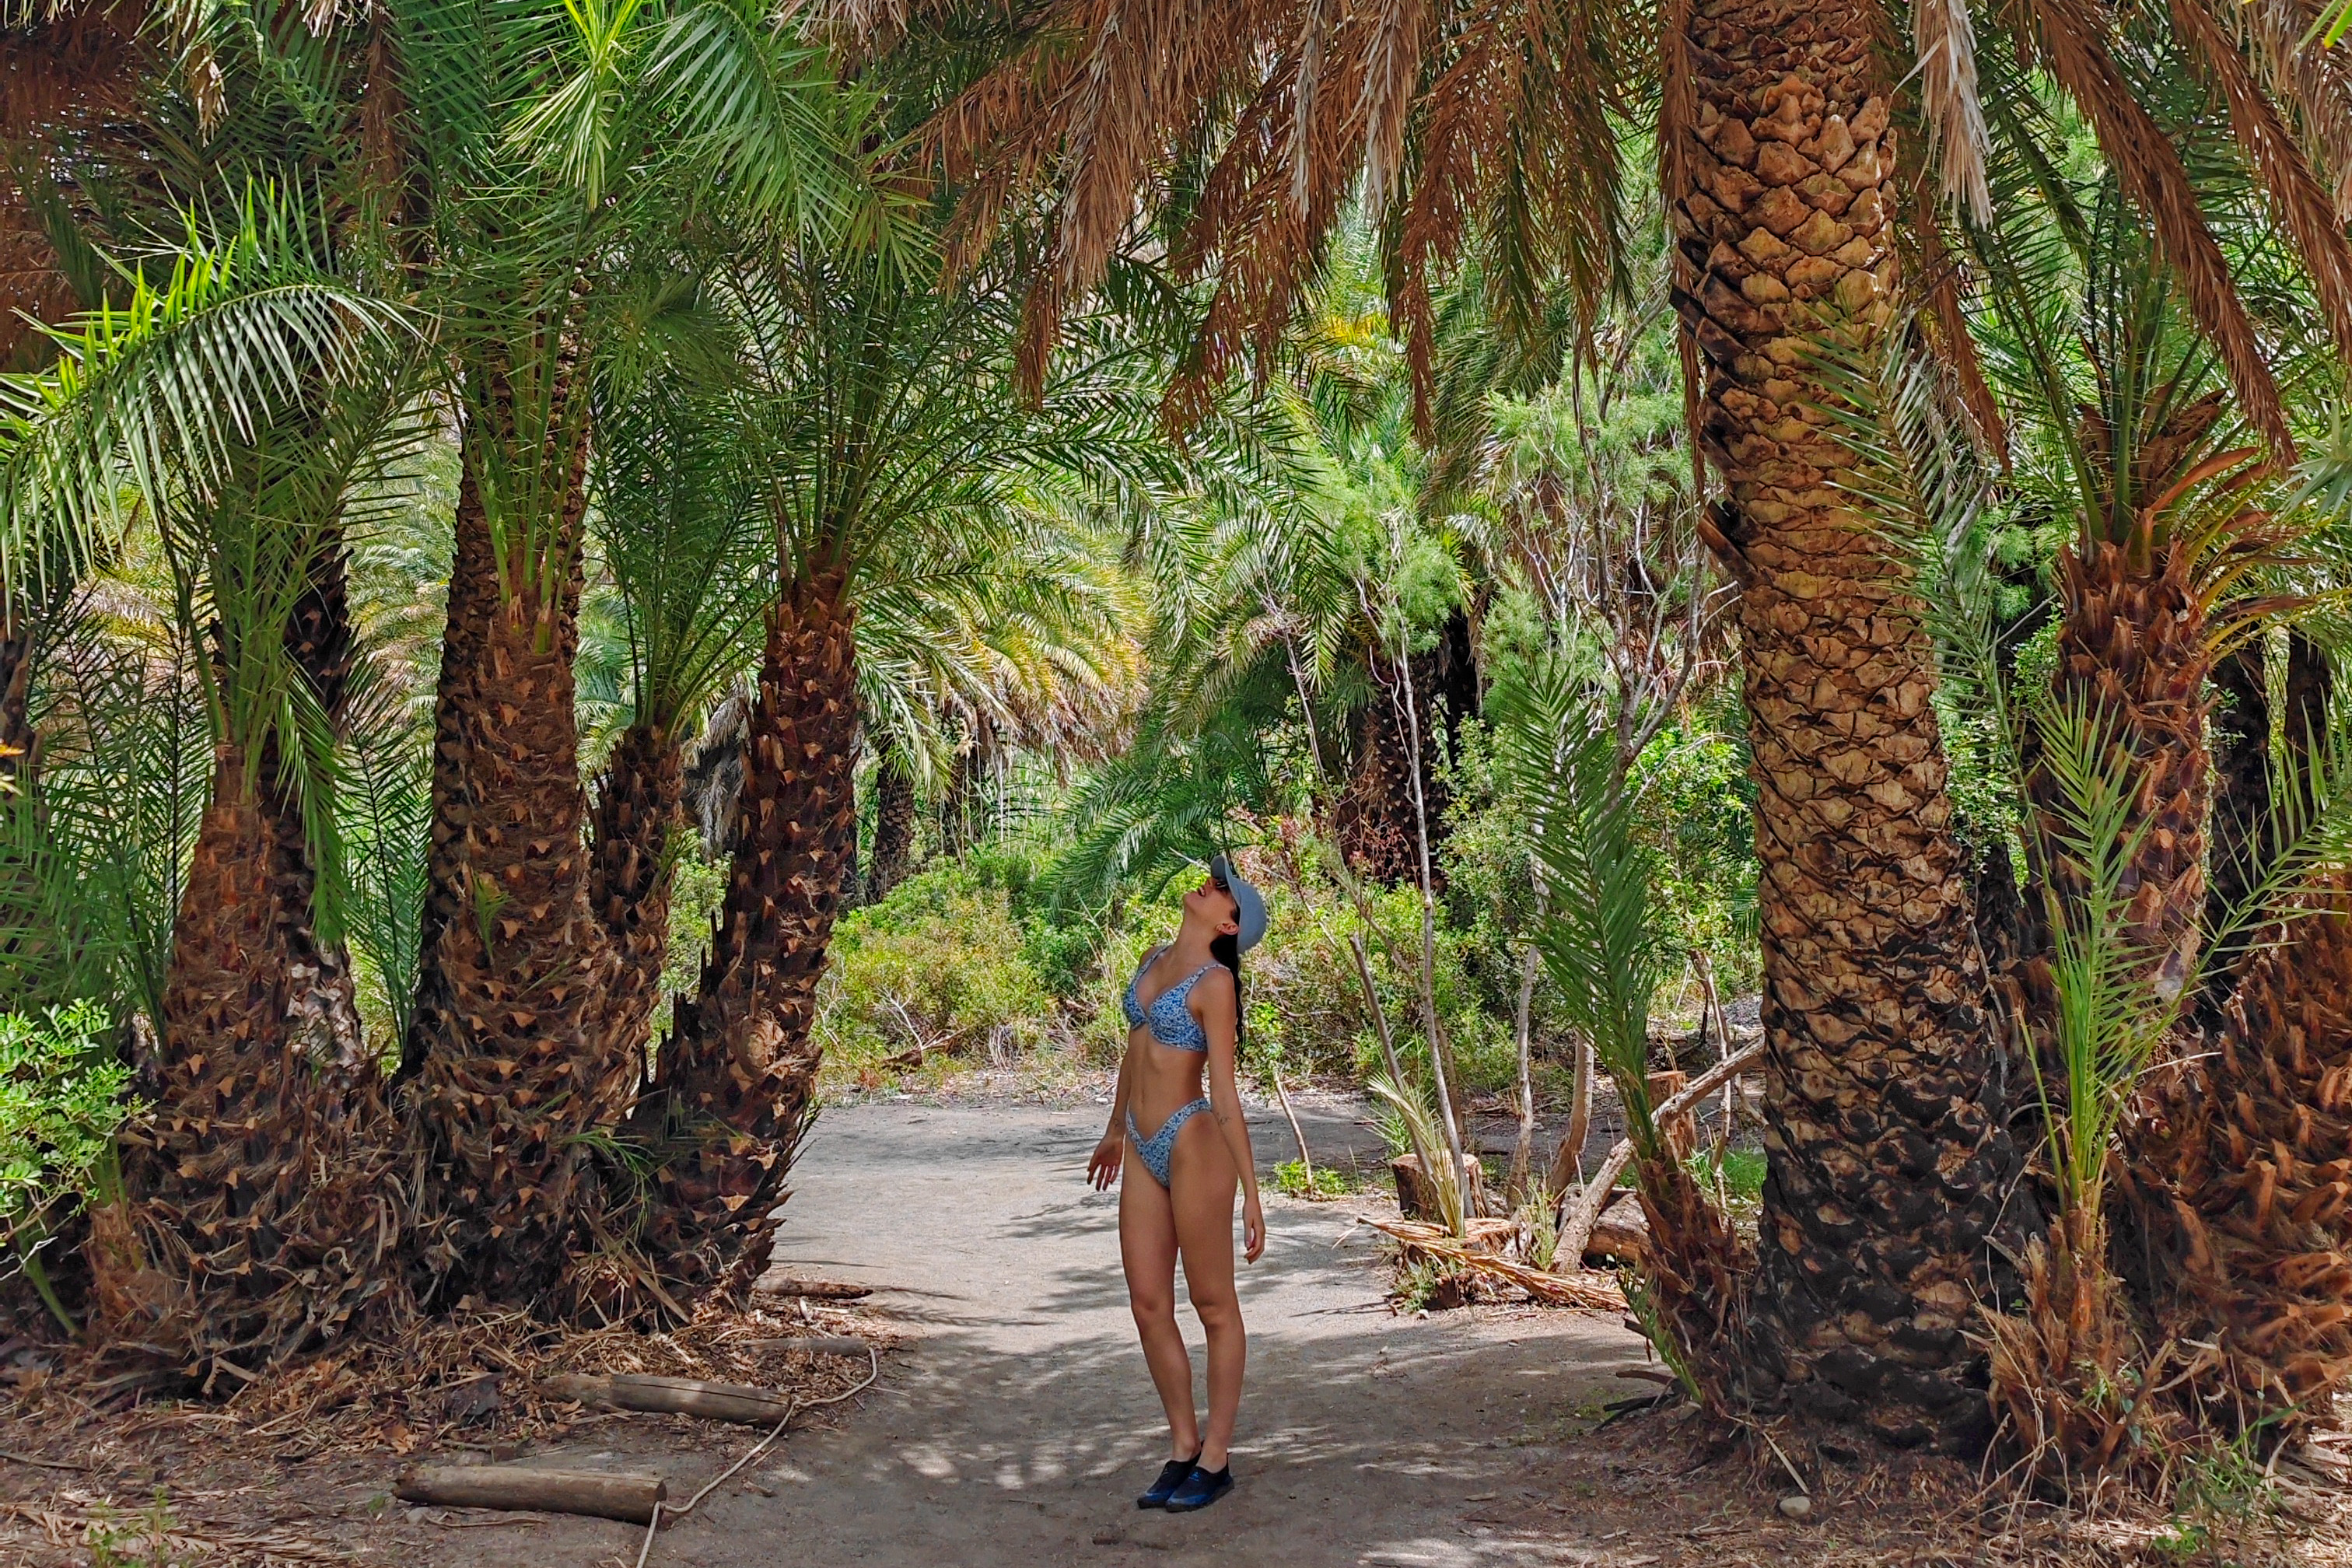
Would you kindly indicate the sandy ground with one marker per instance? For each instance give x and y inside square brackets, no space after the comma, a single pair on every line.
[1015,1423]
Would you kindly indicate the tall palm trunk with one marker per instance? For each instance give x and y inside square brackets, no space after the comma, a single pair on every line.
[520,1060]
[260,1216]
[638,805]
[732,1094]
[2240,1173]
[473,580]
[1374,821]
[1886,1147]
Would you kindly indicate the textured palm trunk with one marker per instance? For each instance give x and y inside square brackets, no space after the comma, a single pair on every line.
[2240,1169]
[473,593]
[1373,821]
[638,807]
[260,1217]
[520,1062]
[894,822]
[733,1091]
[1888,1156]
[2133,652]
[261,1211]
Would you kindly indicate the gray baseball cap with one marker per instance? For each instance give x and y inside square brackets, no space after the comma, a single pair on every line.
[1249,904]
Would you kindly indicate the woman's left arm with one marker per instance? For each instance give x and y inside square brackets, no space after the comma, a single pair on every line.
[1215,1002]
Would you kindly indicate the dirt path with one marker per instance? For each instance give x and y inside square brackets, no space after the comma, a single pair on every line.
[1017,1422]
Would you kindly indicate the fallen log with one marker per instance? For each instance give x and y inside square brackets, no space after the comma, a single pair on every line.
[815,1345]
[628,1495]
[674,1397]
[816,1289]
[1559,1289]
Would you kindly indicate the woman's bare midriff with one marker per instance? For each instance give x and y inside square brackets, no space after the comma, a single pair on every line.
[1167,1080]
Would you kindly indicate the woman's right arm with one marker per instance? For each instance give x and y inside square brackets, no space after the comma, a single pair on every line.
[1110,1154]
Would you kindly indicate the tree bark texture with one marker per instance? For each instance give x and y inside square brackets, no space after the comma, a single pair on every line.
[1373,819]
[520,1054]
[2133,653]
[2240,1169]
[262,1217]
[638,807]
[1887,1152]
[732,1094]
[473,593]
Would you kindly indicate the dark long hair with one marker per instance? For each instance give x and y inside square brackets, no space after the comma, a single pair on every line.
[1227,949]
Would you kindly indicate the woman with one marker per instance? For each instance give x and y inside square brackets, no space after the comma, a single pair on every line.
[1182,1016]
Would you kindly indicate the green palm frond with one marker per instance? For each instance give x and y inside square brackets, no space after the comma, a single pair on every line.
[148,400]
[91,862]
[1601,940]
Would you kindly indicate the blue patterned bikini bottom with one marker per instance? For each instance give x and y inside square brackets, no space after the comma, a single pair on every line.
[1159,1150]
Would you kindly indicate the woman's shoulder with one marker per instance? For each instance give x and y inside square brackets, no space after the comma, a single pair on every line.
[1216,981]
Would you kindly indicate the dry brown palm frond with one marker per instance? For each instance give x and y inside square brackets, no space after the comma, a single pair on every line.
[2303,205]
[1264,248]
[1517,138]
[1399,31]
[2072,39]
[2315,83]
[1947,44]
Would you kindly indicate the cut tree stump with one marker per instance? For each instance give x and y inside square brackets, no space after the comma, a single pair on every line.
[628,1495]
[1415,1200]
[674,1397]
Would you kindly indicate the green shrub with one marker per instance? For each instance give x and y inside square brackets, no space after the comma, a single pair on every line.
[1702,817]
[939,964]
[62,1096]
[1290,1177]
[699,882]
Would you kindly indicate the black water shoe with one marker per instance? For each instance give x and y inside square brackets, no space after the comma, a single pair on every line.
[1200,1488]
[1173,1474]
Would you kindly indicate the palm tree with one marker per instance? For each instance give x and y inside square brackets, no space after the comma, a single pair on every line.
[562,154]
[1782,143]
[241,400]
[682,537]
[886,428]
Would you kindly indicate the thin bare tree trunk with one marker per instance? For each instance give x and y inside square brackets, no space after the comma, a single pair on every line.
[1372,1005]
[1711,1020]
[1305,1158]
[1568,1160]
[1449,1122]
[1522,1150]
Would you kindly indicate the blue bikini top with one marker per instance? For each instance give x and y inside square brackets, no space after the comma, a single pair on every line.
[1171,1022]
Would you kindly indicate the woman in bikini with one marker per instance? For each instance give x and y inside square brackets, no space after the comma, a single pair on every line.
[1182,1014]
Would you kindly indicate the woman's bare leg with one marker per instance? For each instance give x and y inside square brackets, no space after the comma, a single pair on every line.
[1147,1248]
[1202,1184]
